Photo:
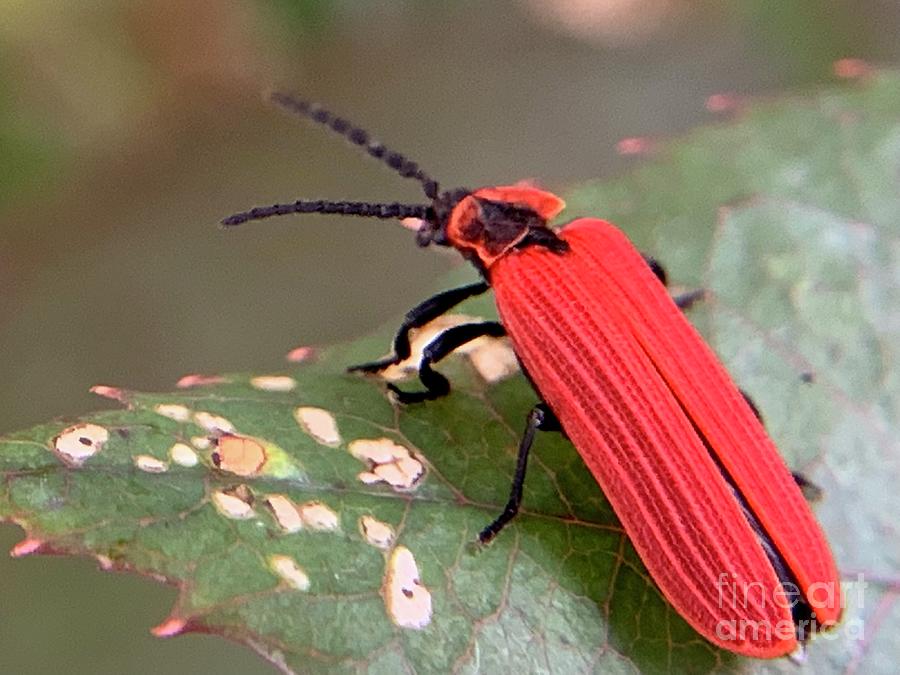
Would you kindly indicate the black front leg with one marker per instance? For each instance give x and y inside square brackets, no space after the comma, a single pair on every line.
[417,317]
[436,385]
[540,418]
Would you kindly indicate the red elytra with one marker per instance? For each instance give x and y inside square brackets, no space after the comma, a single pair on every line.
[687,465]
[654,415]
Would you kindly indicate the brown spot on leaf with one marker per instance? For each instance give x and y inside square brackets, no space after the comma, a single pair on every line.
[75,445]
[407,601]
[240,455]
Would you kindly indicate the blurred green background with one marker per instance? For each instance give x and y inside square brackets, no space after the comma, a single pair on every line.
[128,128]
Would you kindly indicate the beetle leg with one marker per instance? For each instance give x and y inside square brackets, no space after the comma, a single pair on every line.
[540,418]
[810,490]
[436,385]
[685,300]
[417,317]
[657,268]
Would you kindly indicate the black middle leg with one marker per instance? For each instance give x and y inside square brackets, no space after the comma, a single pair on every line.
[685,300]
[417,317]
[541,418]
[436,385]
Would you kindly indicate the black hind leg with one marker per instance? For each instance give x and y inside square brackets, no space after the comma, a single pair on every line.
[810,490]
[684,300]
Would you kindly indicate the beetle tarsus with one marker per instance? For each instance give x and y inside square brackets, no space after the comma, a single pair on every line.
[418,316]
[690,298]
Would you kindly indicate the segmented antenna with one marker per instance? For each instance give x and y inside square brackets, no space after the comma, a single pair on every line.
[366,209]
[405,167]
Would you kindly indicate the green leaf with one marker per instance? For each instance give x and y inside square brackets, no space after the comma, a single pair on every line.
[283,535]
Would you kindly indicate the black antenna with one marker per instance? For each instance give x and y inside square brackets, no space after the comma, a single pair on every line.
[405,167]
[366,209]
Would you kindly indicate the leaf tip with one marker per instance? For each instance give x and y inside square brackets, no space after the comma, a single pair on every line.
[724,102]
[300,354]
[852,69]
[170,628]
[198,380]
[26,547]
[634,146]
[112,393]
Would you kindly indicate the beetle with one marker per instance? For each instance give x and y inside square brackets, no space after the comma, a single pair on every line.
[678,449]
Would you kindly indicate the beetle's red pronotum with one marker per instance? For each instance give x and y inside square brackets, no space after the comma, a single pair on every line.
[679,451]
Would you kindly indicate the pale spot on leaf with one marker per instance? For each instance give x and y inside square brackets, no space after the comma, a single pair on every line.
[273,383]
[285,512]
[235,503]
[407,601]
[183,454]
[377,533]
[318,516]
[174,411]
[495,360]
[388,462]
[201,442]
[150,464]
[240,455]
[377,450]
[318,423]
[288,569]
[215,424]
[368,477]
[80,442]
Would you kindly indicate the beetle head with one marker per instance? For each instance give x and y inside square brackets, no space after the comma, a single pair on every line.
[483,224]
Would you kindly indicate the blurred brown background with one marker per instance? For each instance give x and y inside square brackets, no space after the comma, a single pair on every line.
[128,128]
